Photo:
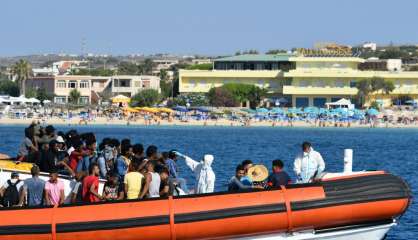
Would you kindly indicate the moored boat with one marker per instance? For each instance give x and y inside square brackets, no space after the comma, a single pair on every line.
[351,206]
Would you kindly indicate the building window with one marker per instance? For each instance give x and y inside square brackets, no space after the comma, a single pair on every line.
[320,83]
[84,84]
[146,84]
[203,83]
[353,83]
[303,83]
[261,83]
[339,83]
[408,83]
[84,100]
[319,102]
[60,99]
[192,83]
[72,84]
[61,84]
[302,102]
[259,66]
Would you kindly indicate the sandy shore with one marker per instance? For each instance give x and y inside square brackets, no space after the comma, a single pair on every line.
[221,122]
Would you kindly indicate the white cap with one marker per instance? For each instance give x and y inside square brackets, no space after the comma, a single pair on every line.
[60,139]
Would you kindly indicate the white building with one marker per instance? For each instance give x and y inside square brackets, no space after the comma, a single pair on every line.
[370,45]
[129,85]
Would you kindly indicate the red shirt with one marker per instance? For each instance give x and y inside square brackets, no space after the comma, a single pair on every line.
[87,183]
[74,158]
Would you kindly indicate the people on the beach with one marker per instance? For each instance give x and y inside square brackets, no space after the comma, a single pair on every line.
[308,164]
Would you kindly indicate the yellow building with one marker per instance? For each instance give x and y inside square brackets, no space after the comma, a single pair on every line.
[304,80]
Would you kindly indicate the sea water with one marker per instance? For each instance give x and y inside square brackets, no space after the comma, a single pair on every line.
[392,150]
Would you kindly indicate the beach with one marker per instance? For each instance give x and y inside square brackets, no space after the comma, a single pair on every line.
[192,122]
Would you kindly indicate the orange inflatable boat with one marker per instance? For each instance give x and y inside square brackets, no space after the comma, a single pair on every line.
[329,204]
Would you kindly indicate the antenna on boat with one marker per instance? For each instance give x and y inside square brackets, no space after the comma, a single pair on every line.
[348,160]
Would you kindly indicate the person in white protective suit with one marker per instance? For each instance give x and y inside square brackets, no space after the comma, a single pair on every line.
[308,164]
[205,177]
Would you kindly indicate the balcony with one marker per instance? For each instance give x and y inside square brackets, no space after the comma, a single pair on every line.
[319,90]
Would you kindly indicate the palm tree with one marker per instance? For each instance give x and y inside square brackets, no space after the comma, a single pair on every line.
[75,96]
[388,87]
[22,70]
[364,89]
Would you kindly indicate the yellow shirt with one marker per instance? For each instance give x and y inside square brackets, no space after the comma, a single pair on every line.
[133,181]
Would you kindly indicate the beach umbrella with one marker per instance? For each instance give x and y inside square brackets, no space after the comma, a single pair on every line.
[46,101]
[166,110]
[147,109]
[277,110]
[202,109]
[33,100]
[294,110]
[180,109]
[248,110]
[121,99]
[373,112]
[131,110]
[262,110]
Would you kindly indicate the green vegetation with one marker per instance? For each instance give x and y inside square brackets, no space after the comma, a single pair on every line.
[366,87]
[389,52]
[22,70]
[239,92]
[222,97]
[93,72]
[10,88]
[203,66]
[276,51]
[146,98]
[75,96]
[251,51]
[41,94]
[194,99]
[129,68]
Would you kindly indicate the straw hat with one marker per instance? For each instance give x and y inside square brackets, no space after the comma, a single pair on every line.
[258,173]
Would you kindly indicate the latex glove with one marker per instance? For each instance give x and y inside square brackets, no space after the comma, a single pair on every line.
[179,154]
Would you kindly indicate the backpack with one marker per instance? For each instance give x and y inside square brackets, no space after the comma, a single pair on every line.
[11,194]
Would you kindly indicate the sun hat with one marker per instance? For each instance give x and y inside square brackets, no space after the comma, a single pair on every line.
[258,173]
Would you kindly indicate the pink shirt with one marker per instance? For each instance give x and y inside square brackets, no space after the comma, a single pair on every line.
[54,191]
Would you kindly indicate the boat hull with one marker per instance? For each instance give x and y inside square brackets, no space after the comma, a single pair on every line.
[320,208]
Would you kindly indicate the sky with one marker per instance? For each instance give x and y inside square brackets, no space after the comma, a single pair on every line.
[210,27]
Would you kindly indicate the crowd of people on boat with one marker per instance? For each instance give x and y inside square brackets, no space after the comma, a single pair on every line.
[130,171]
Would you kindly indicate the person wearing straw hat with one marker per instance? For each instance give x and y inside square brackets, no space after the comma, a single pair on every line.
[308,164]
[258,174]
